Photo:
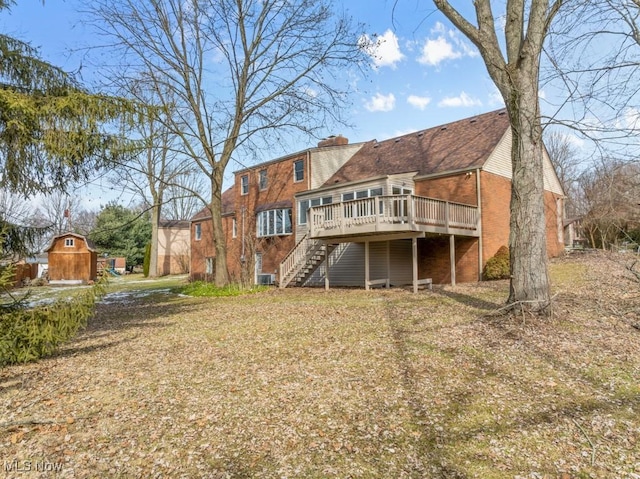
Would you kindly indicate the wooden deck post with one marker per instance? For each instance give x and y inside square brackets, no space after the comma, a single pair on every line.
[366,265]
[414,257]
[452,258]
[388,264]
[479,224]
[326,266]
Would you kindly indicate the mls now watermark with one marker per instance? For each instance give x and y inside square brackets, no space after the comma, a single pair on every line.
[28,466]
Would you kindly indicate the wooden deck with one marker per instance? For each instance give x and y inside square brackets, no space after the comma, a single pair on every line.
[396,214]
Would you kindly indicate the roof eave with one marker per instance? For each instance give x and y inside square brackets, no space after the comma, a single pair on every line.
[441,174]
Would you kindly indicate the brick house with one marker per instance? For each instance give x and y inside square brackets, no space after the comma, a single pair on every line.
[430,206]
[259,213]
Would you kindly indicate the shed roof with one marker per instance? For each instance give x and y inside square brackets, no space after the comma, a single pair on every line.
[463,144]
[90,245]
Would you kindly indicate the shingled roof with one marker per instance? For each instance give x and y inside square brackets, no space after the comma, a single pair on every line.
[463,144]
[227,206]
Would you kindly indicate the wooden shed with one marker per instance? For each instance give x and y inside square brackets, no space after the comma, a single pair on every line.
[73,259]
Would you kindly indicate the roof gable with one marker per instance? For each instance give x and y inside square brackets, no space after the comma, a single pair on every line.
[90,245]
[228,206]
[460,145]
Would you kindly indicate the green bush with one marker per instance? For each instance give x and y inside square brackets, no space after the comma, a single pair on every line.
[498,266]
[29,334]
[202,288]
[147,260]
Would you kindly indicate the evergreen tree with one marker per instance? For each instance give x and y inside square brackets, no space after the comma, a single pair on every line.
[120,231]
[52,132]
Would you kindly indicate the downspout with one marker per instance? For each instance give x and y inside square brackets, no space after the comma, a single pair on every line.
[242,258]
[309,169]
[479,202]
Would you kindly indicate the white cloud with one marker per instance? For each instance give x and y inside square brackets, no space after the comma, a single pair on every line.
[628,119]
[311,92]
[444,45]
[381,102]
[436,51]
[384,50]
[419,102]
[461,100]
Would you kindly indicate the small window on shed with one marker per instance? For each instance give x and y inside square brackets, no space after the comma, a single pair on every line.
[69,242]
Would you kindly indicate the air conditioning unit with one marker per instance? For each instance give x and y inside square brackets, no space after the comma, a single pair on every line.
[265,279]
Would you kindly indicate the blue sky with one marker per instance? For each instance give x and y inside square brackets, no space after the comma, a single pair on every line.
[424,72]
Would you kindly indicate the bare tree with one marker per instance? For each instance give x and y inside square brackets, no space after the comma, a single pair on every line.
[611,191]
[235,70]
[182,196]
[516,74]
[593,53]
[58,210]
[13,208]
[569,165]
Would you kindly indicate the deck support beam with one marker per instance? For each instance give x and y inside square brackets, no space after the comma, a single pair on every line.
[388,264]
[366,266]
[452,258]
[414,259]
[326,266]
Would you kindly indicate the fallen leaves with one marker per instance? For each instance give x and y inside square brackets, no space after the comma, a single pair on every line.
[305,383]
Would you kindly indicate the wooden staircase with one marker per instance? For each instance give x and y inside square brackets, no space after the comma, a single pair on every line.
[303,260]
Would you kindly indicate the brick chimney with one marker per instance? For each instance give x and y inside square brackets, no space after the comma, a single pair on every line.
[333,141]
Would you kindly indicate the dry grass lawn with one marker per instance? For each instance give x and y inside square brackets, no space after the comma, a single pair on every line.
[347,384]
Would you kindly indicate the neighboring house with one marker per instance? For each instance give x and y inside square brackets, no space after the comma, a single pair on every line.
[174,242]
[430,206]
[73,259]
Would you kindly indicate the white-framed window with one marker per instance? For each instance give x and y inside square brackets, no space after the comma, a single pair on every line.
[198,231]
[234,228]
[258,259]
[396,190]
[262,179]
[244,184]
[209,265]
[69,242]
[274,223]
[356,210]
[298,170]
[304,205]
[400,208]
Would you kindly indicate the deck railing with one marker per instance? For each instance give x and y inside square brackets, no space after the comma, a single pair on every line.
[394,209]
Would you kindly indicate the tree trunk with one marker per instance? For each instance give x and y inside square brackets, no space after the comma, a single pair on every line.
[517,79]
[221,272]
[529,286]
[153,258]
